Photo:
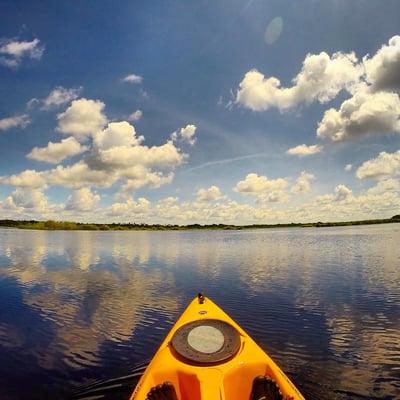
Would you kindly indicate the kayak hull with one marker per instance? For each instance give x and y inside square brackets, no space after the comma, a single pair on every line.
[207,355]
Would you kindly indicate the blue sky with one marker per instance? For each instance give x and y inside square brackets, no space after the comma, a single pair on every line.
[206,112]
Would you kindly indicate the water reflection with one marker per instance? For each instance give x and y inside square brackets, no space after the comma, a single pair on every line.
[323,302]
[84,293]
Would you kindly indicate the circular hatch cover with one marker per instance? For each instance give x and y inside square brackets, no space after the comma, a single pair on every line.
[207,341]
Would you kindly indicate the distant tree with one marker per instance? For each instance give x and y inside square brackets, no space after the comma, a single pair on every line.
[69,226]
[89,227]
[50,224]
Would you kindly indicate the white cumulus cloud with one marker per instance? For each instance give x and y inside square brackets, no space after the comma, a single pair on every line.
[57,152]
[364,113]
[121,157]
[322,77]
[80,175]
[82,118]
[140,207]
[12,51]
[116,135]
[383,68]
[385,186]
[303,183]
[342,193]
[303,150]
[112,155]
[373,84]
[117,150]
[383,166]
[133,78]
[26,179]
[185,134]
[82,200]
[29,198]
[213,193]
[60,96]
[275,196]
[147,178]
[254,184]
[12,122]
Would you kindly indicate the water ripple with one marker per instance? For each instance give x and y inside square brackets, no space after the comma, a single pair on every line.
[82,307]
[111,388]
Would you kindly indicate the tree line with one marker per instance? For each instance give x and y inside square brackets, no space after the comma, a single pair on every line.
[68,225]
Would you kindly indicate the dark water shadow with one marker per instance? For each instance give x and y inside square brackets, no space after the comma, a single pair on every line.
[111,389]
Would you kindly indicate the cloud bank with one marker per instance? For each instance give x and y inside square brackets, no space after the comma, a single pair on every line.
[100,160]
[373,84]
[107,154]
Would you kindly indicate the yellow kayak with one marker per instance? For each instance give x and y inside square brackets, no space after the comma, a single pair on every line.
[208,356]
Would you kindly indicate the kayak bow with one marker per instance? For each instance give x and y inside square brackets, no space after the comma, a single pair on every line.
[208,356]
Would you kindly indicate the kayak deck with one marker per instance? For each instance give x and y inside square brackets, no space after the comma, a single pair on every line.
[207,355]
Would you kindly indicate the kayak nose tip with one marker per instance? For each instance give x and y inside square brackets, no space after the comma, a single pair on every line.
[201,298]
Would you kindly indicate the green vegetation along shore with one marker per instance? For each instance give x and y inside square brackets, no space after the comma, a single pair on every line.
[60,225]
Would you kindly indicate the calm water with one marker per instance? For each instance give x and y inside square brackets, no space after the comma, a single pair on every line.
[80,312]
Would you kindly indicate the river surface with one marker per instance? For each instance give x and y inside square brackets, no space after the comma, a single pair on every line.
[82,312]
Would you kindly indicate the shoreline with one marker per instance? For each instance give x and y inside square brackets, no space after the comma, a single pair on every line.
[67,225]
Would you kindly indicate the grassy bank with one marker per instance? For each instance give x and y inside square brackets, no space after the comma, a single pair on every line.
[66,225]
